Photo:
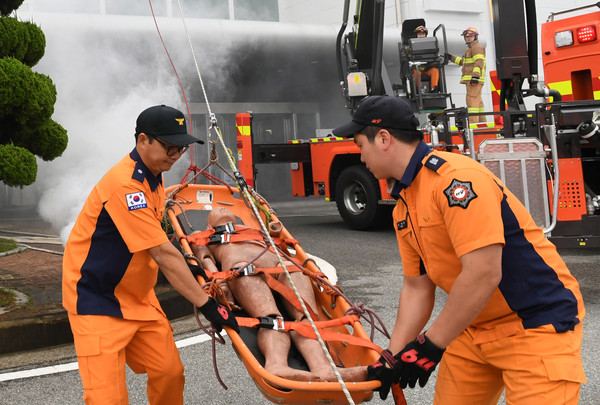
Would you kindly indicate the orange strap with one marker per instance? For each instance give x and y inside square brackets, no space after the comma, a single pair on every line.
[209,236]
[304,329]
[287,293]
[225,275]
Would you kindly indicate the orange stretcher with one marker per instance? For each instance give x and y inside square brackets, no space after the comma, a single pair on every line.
[347,341]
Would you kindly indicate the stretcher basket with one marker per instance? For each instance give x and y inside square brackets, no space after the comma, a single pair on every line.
[185,201]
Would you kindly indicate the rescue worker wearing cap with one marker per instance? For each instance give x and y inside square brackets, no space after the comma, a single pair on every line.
[512,320]
[427,69]
[473,73]
[110,267]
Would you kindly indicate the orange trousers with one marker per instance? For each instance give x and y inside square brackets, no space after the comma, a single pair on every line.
[534,366]
[433,73]
[104,344]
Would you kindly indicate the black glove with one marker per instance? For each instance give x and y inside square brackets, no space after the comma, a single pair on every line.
[474,80]
[197,271]
[379,371]
[448,56]
[416,362]
[218,315]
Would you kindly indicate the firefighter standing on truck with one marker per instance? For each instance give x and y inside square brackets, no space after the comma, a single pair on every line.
[473,72]
[512,320]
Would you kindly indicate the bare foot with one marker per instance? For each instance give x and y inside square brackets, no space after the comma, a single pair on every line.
[292,373]
[348,374]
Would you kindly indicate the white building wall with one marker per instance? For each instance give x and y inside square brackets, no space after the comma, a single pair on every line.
[455,15]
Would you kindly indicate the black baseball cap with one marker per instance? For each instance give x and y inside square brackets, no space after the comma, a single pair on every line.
[166,123]
[380,111]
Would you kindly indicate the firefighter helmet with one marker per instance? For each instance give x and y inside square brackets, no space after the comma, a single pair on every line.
[421,28]
[470,31]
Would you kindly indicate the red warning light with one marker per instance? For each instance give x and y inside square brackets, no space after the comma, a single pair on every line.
[586,34]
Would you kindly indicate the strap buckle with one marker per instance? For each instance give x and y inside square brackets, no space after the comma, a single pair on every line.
[229,227]
[271,323]
[249,270]
[219,238]
[222,234]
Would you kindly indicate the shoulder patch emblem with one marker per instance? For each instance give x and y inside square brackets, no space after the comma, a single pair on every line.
[135,201]
[434,162]
[460,193]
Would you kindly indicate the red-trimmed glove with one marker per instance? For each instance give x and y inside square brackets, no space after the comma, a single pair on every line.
[218,315]
[416,362]
[385,375]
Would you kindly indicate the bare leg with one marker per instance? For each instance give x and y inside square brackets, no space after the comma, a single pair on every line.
[254,295]
[310,348]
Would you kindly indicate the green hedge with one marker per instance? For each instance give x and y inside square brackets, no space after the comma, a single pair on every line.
[18,166]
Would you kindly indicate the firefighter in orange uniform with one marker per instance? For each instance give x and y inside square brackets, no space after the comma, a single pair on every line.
[432,72]
[473,72]
[110,267]
[513,317]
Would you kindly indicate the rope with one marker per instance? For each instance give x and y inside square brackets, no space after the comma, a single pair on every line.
[177,75]
[243,187]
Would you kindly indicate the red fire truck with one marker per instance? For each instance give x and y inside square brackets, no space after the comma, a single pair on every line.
[549,156]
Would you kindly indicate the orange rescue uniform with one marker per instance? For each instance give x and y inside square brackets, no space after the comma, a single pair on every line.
[108,288]
[527,339]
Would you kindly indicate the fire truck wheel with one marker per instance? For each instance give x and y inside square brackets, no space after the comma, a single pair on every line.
[357,195]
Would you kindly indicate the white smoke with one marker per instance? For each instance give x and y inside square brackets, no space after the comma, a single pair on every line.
[103,80]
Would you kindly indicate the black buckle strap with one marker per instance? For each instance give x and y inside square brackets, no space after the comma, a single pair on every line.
[222,234]
[229,227]
[249,270]
[219,238]
[268,322]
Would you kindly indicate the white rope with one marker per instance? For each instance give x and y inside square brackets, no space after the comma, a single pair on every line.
[210,114]
[248,197]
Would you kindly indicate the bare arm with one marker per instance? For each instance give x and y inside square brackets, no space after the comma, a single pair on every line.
[481,273]
[207,259]
[414,309]
[177,272]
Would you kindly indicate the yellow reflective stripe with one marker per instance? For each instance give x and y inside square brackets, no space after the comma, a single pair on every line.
[468,60]
[564,88]
[244,130]
[458,60]
[329,139]
[478,56]
[477,71]
[475,126]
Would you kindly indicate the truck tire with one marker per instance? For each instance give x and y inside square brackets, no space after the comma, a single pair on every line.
[356,196]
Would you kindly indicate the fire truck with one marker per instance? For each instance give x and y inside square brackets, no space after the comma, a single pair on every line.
[548,155]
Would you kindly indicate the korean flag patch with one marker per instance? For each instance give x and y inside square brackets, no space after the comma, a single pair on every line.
[135,201]
[460,193]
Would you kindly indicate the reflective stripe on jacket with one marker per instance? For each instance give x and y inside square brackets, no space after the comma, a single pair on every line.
[473,63]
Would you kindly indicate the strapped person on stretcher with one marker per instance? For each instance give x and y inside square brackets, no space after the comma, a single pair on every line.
[254,295]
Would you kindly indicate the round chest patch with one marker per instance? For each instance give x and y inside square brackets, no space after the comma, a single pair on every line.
[460,193]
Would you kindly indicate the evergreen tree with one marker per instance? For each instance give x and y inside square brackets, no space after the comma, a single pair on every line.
[26,101]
